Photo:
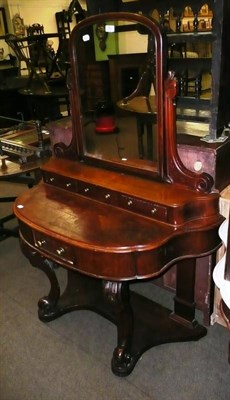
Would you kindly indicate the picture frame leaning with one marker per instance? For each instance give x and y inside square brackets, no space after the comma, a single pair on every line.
[3,22]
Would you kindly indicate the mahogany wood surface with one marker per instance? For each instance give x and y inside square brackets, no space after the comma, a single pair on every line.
[139,247]
[110,224]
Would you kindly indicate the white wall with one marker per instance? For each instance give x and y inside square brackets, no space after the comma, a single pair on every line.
[35,11]
[38,11]
[132,42]
[43,12]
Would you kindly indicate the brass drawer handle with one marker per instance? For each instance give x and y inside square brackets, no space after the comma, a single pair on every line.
[60,251]
[154,210]
[41,243]
[130,202]
[107,196]
[68,184]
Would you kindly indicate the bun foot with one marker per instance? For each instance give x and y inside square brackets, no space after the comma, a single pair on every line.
[47,310]
[123,363]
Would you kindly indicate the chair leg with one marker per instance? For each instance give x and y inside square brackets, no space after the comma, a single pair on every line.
[6,233]
[140,133]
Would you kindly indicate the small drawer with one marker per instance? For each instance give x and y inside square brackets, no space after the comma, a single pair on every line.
[98,193]
[143,207]
[60,181]
[54,247]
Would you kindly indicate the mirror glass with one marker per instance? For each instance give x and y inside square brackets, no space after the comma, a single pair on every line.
[115,71]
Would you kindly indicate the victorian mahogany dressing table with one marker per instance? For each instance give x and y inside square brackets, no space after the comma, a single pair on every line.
[110,218]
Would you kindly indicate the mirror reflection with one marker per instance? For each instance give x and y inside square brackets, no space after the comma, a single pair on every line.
[116,78]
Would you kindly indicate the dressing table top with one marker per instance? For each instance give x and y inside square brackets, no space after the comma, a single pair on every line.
[107,241]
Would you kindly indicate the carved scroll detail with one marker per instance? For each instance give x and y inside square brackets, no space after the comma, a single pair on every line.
[117,293]
[176,171]
[47,305]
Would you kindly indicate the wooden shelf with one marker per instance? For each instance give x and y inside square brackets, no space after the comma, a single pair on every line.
[191,36]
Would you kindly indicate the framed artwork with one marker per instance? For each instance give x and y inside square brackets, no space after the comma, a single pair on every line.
[3,22]
[18,24]
[101,35]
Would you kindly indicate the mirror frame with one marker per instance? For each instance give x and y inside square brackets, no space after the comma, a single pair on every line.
[170,167]
[160,73]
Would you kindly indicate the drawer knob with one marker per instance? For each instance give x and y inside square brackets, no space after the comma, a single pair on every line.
[60,251]
[41,242]
[154,210]
[86,190]
[68,184]
[51,179]
[107,196]
[130,202]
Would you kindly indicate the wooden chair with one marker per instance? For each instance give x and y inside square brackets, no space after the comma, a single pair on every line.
[37,49]
[144,120]
[35,29]
[21,49]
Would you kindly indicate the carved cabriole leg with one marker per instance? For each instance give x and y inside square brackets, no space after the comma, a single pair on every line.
[117,294]
[47,305]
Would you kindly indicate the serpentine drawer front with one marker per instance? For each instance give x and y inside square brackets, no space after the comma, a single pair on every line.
[93,263]
[56,248]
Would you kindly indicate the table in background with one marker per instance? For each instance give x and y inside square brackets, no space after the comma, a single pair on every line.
[27,174]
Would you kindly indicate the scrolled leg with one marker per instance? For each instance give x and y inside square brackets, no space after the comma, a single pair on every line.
[48,305]
[118,295]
